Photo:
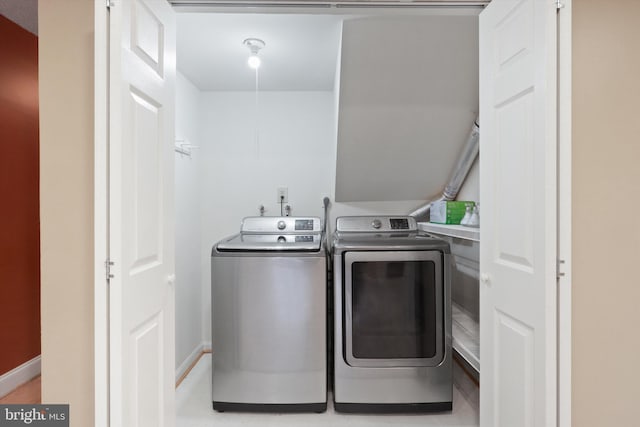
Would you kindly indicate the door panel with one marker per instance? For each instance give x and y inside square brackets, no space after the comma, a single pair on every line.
[147,180]
[141,299]
[514,387]
[514,149]
[518,194]
[146,345]
[148,36]
[394,310]
[394,307]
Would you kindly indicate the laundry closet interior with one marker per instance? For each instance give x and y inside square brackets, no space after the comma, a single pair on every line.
[368,106]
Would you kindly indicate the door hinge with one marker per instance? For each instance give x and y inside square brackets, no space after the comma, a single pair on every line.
[559,264]
[559,4]
[107,266]
[109,4]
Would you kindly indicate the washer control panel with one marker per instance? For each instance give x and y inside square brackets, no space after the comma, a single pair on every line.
[304,225]
[278,224]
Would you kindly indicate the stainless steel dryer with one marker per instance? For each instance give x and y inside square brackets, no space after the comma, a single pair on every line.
[392,317]
[268,288]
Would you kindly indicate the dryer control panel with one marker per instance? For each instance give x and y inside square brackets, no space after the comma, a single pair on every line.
[376,224]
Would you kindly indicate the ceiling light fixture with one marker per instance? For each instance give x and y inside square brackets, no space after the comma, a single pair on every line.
[254,46]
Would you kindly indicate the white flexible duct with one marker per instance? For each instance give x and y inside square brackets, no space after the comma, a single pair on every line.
[460,172]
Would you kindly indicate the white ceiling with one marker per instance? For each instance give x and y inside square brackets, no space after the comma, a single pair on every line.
[300,55]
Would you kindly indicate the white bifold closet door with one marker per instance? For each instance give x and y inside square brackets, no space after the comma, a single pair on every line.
[141,139]
[518,187]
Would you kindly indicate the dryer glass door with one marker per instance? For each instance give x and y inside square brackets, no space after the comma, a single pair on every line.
[394,308]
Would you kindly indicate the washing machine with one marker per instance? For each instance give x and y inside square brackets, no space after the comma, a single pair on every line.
[268,289]
[392,317]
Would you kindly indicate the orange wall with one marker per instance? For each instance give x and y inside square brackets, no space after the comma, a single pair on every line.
[19,209]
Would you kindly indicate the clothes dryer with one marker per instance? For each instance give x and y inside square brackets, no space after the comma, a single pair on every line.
[392,317]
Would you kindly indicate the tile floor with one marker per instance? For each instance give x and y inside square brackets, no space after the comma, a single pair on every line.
[193,408]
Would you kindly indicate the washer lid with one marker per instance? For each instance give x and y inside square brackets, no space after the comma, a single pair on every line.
[271,242]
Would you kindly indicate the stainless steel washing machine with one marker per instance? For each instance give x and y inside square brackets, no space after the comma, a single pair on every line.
[268,288]
[392,317]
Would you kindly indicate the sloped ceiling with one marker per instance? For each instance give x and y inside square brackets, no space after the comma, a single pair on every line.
[408,98]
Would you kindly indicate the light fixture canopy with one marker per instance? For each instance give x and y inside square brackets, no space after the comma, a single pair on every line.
[254,46]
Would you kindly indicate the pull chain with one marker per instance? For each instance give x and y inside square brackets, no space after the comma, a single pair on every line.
[257,119]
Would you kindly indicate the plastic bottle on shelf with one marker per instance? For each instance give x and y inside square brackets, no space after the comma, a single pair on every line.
[467,215]
[474,219]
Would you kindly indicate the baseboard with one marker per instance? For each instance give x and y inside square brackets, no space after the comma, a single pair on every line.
[189,361]
[20,375]
[466,383]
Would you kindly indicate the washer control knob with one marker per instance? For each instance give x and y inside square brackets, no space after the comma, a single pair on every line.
[282,225]
[376,224]
[282,239]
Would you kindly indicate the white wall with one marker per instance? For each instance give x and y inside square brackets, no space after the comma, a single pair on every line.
[295,149]
[188,257]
